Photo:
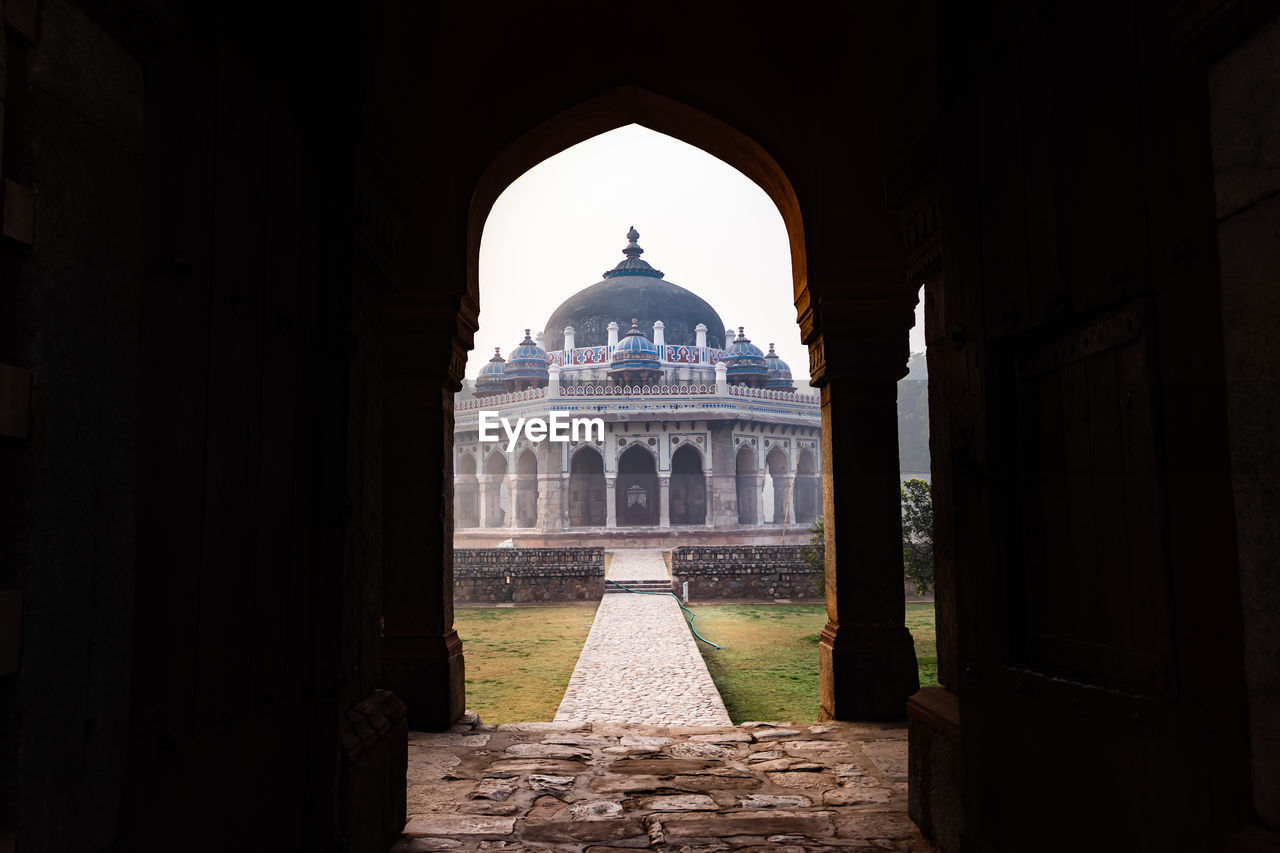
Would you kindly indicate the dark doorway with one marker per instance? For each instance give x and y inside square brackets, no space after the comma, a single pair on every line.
[688,487]
[808,489]
[637,489]
[586,489]
[525,499]
[748,491]
[495,470]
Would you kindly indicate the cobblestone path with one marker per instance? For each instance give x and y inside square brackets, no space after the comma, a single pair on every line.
[614,788]
[640,663]
[637,564]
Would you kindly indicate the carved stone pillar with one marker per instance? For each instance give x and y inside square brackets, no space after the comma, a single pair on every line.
[760,486]
[611,500]
[664,501]
[867,662]
[781,495]
[482,500]
[512,481]
[422,654]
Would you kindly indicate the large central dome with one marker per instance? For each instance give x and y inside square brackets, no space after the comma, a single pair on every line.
[633,289]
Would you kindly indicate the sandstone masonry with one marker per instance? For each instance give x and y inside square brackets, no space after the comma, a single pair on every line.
[745,571]
[527,574]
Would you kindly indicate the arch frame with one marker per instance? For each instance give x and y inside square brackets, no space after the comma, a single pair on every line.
[619,107]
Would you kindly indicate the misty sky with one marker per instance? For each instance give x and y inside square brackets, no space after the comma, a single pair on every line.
[706,225]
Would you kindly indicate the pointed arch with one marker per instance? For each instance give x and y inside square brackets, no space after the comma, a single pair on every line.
[633,105]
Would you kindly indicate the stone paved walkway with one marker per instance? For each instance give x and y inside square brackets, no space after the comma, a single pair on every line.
[637,564]
[640,663]
[613,788]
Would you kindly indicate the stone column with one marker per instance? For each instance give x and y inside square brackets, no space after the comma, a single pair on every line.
[512,487]
[421,653]
[482,500]
[664,501]
[707,480]
[759,498]
[867,662]
[610,500]
[782,511]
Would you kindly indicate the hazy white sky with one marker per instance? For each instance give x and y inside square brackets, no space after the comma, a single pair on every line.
[707,226]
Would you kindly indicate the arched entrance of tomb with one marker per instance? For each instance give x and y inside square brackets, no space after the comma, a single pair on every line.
[525,499]
[586,488]
[807,490]
[746,481]
[495,502]
[637,489]
[466,494]
[780,484]
[866,657]
[688,487]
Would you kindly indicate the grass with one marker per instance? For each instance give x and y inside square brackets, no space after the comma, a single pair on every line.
[768,669]
[519,659]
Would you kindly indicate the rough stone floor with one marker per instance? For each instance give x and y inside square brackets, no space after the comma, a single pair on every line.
[640,663]
[603,787]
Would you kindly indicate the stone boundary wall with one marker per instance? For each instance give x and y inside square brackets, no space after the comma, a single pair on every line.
[745,571]
[529,575]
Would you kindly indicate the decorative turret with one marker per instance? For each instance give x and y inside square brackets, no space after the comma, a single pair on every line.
[526,366]
[779,373]
[635,360]
[489,381]
[745,362]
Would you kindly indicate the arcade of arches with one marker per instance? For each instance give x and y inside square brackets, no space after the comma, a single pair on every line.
[240,282]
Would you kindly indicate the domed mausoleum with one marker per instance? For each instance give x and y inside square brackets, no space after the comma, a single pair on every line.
[709,440]
[634,289]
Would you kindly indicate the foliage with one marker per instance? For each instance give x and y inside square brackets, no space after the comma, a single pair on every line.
[814,555]
[917,533]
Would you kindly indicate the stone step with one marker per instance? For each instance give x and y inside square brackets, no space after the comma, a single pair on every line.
[639,586]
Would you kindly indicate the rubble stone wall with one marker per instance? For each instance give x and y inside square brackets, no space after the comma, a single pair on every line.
[527,575]
[746,571]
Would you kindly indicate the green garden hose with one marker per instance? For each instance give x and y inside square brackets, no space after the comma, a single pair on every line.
[679,602]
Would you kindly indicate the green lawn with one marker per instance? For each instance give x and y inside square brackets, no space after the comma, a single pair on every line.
[768,669]
[519,659]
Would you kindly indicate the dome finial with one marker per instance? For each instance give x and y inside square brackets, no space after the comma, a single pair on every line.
[742,336]
[633,249]
[633,265]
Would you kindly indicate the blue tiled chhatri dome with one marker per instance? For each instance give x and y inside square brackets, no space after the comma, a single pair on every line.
[744,362]
[490,380]
[779,373]
[635,360]
[527,366]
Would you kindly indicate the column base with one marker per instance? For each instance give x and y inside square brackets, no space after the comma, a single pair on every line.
[429,676]
[866,673]
[935,799]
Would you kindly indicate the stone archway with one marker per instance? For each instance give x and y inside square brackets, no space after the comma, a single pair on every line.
[586,488]
[688,487]
[872,674]
[637,489]
[746,482]
[808,489]
[780,479]
[466,493]
[525,500]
